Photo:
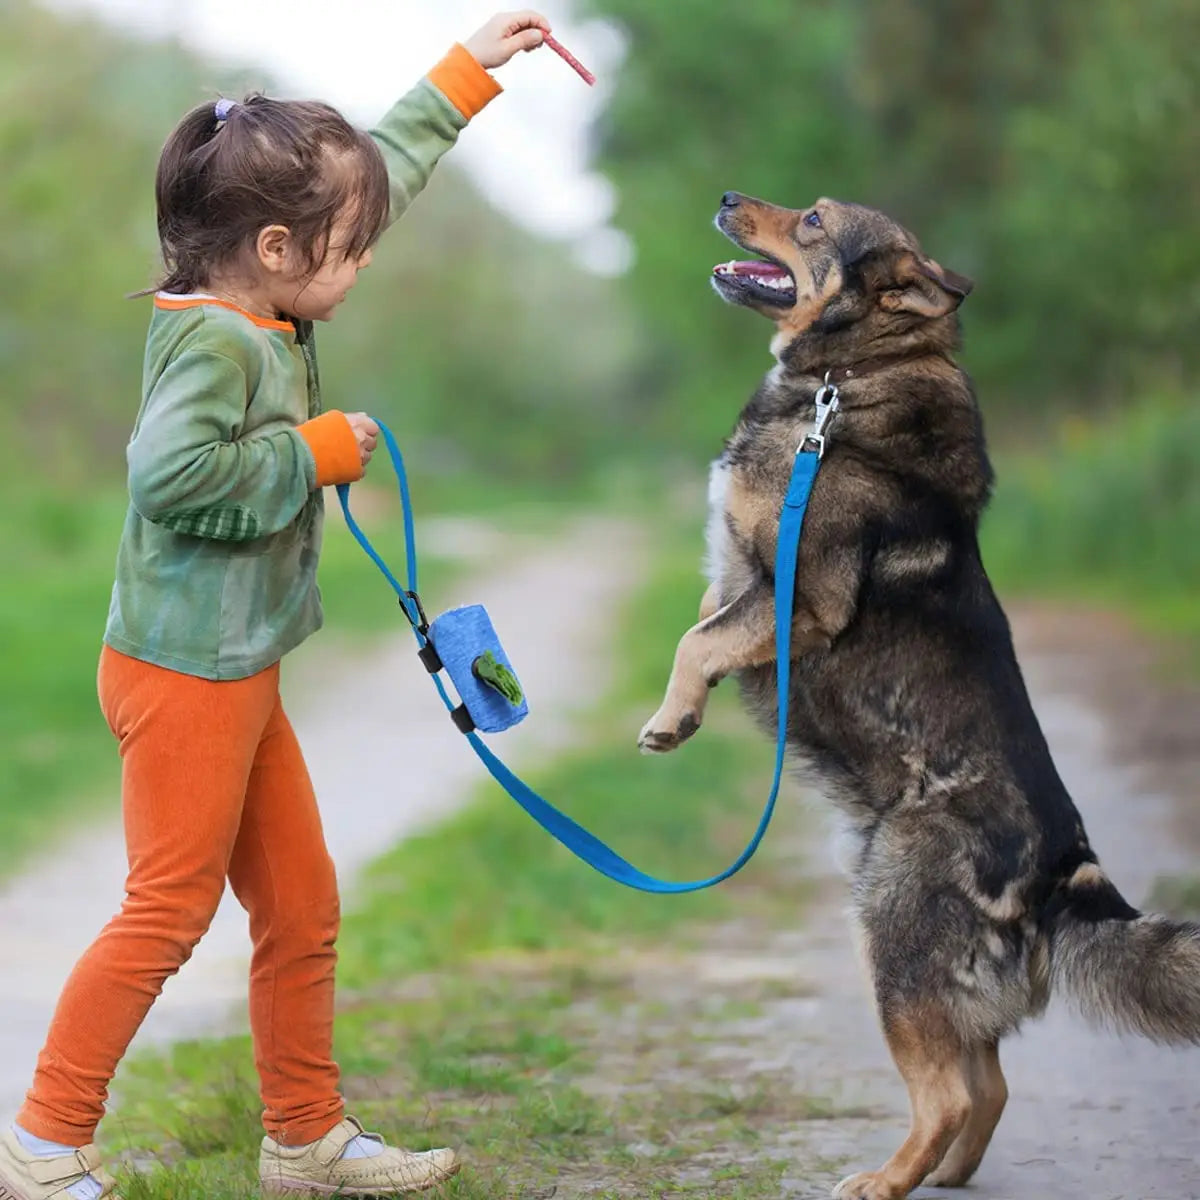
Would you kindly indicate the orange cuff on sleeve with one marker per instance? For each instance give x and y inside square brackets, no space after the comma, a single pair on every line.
[334,446]
[463,82]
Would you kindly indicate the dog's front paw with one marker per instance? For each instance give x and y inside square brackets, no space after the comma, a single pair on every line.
[869,1185]
[661,734]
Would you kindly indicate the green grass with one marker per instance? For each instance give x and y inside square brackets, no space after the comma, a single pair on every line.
[54,746]
[482,967]
[499,1058]
[1107,514]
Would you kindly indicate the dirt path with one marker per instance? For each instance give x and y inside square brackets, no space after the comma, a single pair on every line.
[760,1043]
[385,761]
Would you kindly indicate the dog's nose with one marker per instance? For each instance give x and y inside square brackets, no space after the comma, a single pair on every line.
[731,199]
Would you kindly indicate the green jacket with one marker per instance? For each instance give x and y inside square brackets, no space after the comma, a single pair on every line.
[217,565]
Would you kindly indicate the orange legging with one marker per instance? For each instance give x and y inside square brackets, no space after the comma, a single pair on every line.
[213,787]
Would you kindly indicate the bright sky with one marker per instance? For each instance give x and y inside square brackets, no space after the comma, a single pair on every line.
[528,150]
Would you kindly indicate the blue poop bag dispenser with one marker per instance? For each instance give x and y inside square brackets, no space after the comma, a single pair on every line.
[465,643]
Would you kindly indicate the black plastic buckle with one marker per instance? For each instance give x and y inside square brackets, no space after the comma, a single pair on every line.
[430,658]
[462,719]
[423,620]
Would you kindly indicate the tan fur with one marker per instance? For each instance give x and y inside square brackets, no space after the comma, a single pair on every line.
[746,506]
[707,653]
[1088,875]
[989,1095]
[913,560]
[935,1069]
[1008,906]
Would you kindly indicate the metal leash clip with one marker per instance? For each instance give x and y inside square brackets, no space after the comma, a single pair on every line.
[826,401]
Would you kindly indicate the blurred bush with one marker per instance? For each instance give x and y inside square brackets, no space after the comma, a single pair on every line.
[1107,513]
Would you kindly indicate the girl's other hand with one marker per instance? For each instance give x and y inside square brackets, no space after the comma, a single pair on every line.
[366,432]
[504,35]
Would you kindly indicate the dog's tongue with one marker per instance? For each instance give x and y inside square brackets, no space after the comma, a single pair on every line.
[762,270]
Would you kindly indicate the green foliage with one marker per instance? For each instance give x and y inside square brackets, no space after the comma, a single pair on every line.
[1048,151]
[1092,260]
[1107,513]
[78,139]
[53,742]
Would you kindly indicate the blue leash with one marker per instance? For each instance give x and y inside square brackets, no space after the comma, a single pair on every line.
[578,840]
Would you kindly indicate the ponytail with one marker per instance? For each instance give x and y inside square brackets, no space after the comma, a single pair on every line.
[179,191]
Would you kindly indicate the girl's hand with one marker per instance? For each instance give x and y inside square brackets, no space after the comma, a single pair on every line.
[504,35]
[366,432]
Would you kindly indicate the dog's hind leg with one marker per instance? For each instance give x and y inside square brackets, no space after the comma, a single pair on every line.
[931,1058]
[989,1094]
[711,601]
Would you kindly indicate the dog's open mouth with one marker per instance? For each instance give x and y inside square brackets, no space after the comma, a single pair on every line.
[766,282]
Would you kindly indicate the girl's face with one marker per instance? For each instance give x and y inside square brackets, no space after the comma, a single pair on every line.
[290,285]
[314,298]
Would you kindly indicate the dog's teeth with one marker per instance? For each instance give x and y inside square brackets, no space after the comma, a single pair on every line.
[777,283]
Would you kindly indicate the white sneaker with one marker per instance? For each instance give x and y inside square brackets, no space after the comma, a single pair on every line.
[25,1176]
[320,1168]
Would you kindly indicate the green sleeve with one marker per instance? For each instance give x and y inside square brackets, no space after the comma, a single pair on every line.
[190,472]
[414,134]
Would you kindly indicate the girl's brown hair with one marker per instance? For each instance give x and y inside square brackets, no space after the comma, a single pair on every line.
[267,162]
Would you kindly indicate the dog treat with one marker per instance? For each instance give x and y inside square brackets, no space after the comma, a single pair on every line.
[569,59]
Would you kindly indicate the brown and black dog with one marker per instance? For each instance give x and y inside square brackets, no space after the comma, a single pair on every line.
[974,886]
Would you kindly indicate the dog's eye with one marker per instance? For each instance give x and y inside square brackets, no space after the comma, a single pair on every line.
[813,220]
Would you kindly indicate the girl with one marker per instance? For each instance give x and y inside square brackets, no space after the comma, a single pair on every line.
[267,211]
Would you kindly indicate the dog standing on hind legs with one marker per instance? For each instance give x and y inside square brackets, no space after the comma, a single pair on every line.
[974,886]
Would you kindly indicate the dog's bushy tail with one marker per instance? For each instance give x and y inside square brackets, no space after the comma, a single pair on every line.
[1122,969]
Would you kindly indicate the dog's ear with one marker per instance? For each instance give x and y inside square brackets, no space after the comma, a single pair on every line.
[924,288]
